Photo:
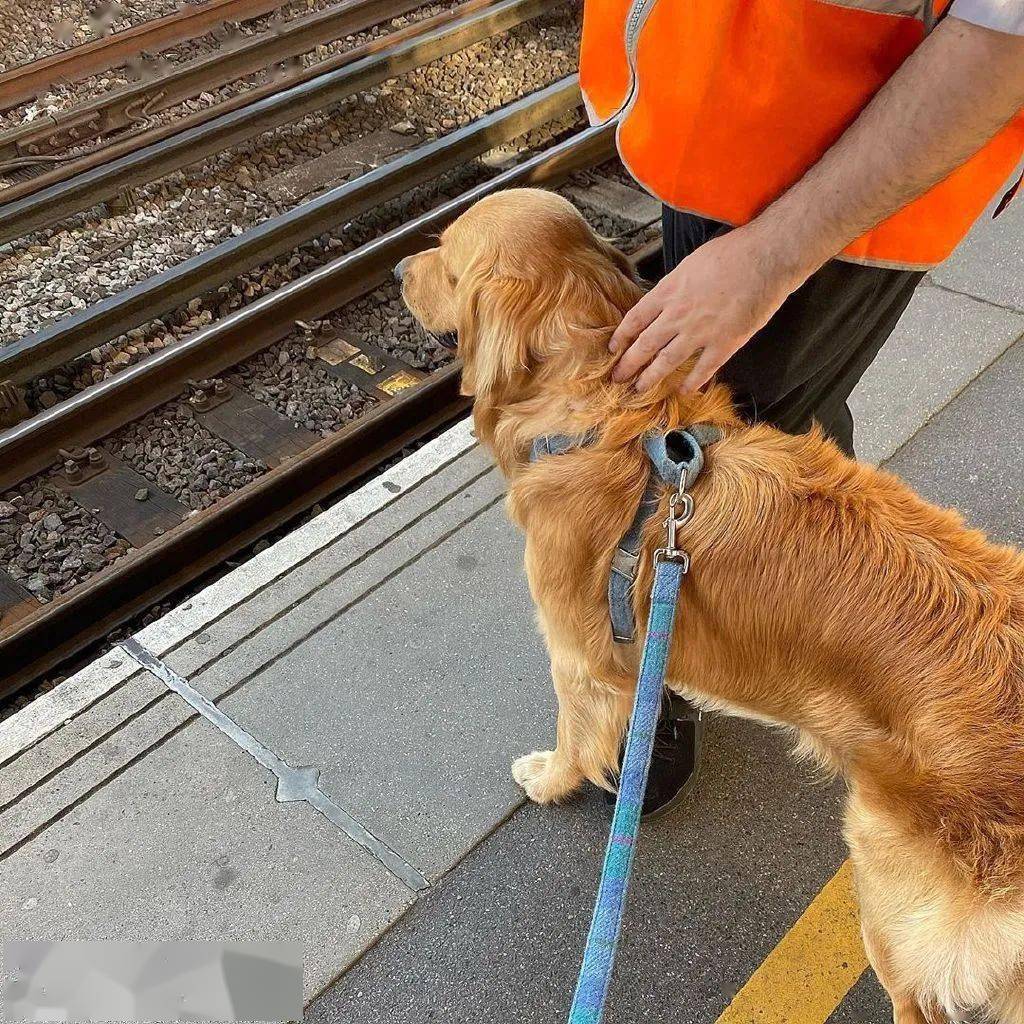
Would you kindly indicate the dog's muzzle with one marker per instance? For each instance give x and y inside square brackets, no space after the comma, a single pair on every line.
[448,339]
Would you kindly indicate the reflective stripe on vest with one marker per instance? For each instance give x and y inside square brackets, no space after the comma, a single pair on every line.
[723,104]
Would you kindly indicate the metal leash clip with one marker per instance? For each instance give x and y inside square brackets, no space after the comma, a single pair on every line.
[680,512]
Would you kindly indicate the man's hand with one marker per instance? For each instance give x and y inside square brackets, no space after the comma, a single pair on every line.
[712,303]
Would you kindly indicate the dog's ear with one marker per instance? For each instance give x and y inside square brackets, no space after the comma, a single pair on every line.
[612,281]
[496,314]
[587,299]
[555,312]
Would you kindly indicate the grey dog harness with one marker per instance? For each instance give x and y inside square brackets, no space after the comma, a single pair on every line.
[676,458]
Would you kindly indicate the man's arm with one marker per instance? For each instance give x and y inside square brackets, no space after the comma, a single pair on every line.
[950,96]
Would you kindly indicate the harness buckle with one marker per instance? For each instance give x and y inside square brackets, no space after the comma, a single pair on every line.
[680,512]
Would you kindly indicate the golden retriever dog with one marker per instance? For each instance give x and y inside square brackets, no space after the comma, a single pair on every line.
[825,596]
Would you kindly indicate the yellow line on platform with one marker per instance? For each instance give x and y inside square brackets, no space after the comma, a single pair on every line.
[809,972]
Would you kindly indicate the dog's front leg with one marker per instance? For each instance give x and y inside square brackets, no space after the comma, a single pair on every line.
[591,720]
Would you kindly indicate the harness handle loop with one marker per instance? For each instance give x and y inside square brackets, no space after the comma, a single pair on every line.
[676,458]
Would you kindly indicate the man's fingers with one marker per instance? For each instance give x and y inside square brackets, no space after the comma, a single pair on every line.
[650,342]
[669,358]
[638,319]
[704,370]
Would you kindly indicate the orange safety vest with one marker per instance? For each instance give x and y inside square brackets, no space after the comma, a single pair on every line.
[723,104]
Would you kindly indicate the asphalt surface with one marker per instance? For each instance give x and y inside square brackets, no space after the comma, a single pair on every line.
[499,939]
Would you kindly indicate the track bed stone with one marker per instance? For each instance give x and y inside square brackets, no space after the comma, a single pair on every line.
[49,543]
[381,318]
[289,378]
[170,448]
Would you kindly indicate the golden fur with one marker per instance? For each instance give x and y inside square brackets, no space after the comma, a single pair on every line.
[825,596]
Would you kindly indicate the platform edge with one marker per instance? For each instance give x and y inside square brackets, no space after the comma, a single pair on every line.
[72,696]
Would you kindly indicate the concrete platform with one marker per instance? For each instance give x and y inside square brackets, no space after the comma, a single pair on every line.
[390,644]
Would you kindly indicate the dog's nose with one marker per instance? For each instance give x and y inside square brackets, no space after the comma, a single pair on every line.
[399,270]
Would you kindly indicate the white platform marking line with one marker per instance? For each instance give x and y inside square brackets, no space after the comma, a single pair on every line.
[293,784]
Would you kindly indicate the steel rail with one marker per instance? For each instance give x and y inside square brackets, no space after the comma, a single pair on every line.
[120,109]
[187,147]
[33,445]
[42,639]
[124,146]
[28,80]
[36,353]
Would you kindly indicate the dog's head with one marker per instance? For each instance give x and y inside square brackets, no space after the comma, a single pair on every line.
[531,293]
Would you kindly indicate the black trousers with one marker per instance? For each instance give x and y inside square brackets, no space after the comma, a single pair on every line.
[802,365]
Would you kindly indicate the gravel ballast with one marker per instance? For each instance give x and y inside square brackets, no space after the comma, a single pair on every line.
[49,543]
[381,317]
[171,449]
[289,378]
[32,29]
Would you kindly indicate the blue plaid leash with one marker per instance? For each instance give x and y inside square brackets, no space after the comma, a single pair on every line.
[670,566]
[599,954]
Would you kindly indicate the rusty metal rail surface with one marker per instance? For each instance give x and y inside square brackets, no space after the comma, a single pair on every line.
[37,641]
[133,105]
[36,353]
[186,147]
[26,81]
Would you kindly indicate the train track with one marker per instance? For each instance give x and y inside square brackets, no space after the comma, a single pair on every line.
[26,81]
[40,140]
[145,158]
[77,334]
[167,554]
[170,544]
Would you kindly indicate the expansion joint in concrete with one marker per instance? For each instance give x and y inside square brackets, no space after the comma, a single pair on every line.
[301,784]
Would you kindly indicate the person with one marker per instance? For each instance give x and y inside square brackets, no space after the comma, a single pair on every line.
[814,159]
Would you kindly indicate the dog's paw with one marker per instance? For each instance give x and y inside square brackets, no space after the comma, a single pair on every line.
[544,777]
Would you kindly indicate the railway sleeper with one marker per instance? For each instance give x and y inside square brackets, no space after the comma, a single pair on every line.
[16,601]
[368,367]
[13,408]
[622,202]
[337,166]
[126,501]
[249,425]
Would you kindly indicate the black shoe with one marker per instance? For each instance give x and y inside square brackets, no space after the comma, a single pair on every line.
[675,758]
